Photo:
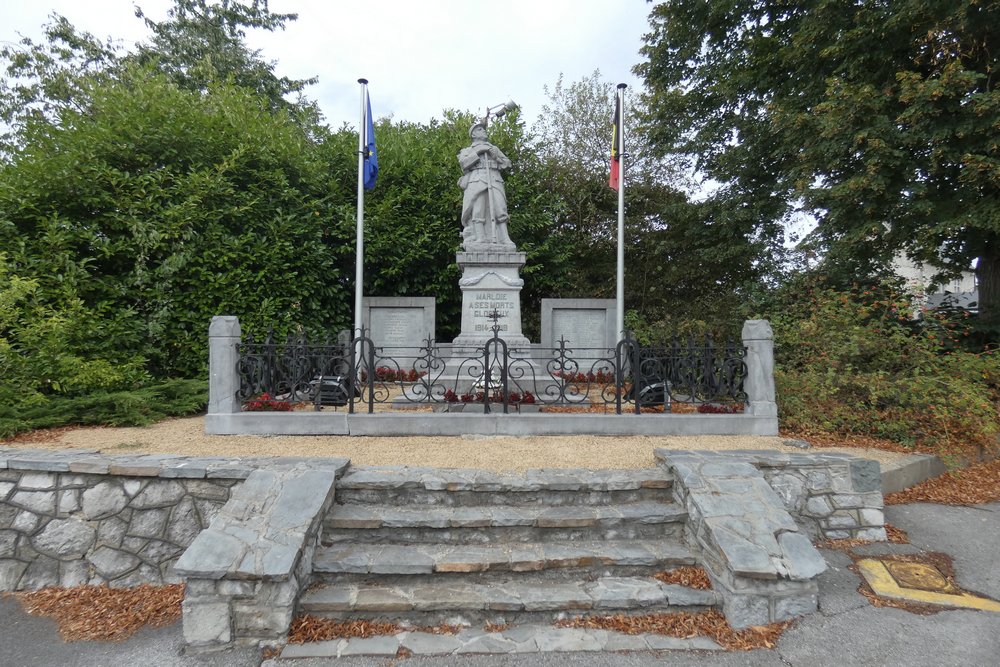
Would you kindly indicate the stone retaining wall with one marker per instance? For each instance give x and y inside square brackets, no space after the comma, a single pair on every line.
[78,517]
[753,513]
[832,496]
[761,564]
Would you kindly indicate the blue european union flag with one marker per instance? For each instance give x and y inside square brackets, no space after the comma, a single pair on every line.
[371,156]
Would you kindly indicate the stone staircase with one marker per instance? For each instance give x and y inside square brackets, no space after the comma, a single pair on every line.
[427,546]
[503,555]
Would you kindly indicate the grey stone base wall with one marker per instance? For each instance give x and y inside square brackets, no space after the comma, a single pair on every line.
[64,527]
[330,422]
[832,496]
[78,517]
[218,613]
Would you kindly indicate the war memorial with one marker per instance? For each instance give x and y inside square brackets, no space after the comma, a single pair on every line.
[257,541]
[491,378]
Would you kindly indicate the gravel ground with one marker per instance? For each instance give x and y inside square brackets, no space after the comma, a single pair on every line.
[187,437]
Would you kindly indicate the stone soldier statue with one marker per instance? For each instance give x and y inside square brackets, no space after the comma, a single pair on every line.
[484,205]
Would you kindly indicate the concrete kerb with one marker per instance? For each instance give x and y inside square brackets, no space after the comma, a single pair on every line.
[910,471]
[456,424]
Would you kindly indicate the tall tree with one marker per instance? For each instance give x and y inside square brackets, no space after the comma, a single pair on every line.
[879,117]
[155,208]
[199,44]
[42,79]
[684,259]
[202,41]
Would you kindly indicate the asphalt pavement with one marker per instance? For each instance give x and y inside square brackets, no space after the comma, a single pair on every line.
[846,631]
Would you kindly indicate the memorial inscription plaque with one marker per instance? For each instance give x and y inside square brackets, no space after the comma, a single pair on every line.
[399,321]
[397,327]
[582,329]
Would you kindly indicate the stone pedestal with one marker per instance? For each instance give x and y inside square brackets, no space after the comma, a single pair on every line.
[759,384]
[224,335]
[490,281]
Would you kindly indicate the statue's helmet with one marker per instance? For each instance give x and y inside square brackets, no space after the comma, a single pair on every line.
[478,124]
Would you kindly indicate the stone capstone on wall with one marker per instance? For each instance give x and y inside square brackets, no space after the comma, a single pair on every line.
[245,572]
[763,567]
[754,514]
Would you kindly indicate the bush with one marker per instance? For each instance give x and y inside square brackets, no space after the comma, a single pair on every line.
[857,363]
[139,407]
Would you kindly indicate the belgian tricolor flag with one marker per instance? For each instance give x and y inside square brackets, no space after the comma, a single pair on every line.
[616,143]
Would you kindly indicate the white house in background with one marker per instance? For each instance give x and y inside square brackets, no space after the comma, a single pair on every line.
[961,291]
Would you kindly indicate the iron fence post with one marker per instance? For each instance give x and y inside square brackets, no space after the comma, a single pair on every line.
[352,374]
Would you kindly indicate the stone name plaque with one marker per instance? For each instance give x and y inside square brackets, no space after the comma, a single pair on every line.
[588,325]
[403,321]
[582,329]
[397,327]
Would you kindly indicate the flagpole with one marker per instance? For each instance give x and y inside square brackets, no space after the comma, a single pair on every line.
[620,278]
[359,259]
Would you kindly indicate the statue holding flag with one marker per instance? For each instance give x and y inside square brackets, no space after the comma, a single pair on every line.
[484,205]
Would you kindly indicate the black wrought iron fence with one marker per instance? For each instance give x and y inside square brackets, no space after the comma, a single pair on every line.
[359,374]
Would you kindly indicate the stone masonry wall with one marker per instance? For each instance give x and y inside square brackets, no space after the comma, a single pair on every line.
[77,517]
[761,564]
[832,496]
[753,514]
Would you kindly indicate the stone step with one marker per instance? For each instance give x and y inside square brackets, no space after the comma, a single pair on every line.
[490,523]
[400,485]
[526,598]
[529,638]
[417,559]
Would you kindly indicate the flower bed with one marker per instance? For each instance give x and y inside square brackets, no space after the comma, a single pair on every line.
[267,403]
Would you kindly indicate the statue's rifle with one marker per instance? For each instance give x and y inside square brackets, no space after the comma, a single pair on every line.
[489,196]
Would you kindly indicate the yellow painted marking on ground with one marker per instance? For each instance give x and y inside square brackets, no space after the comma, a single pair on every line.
[882,582]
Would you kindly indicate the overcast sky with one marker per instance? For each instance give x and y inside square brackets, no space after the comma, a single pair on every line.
[420,56]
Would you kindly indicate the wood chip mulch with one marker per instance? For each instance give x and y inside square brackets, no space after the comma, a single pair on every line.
[40,435]
[684,625]
[824,439]
[100,613]
[895,535]
[307,628]
[690,576]
[977,484]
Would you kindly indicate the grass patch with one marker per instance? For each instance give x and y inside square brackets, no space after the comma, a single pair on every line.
[130,445]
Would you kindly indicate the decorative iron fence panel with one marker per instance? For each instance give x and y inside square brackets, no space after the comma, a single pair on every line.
[360,375]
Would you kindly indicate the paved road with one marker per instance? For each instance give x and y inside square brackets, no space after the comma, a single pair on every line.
[847,631]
